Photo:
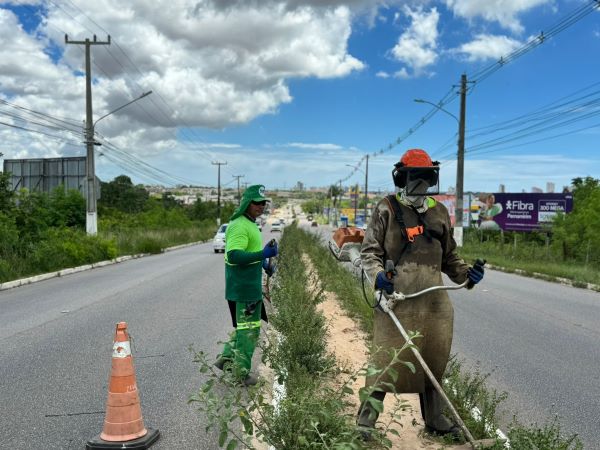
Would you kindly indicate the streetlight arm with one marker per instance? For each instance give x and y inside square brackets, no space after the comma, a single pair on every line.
[145,94]
[355,167]
[420,100]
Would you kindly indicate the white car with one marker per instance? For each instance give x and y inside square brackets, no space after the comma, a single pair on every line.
[219,239]
[276,226]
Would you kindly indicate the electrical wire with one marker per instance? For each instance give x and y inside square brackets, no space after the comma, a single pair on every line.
[185,132]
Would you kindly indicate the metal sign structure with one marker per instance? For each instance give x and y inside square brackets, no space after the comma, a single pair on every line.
[45,174]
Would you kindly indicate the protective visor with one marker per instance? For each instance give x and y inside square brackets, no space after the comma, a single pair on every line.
[418,180]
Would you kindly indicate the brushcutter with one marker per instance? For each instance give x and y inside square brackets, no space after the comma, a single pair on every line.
[345,246]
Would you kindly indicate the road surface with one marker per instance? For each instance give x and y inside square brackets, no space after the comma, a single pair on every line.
[56,345]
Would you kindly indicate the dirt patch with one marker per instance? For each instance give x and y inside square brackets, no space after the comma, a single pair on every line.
[349,345]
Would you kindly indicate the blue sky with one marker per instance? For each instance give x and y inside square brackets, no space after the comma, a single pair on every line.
[288,91]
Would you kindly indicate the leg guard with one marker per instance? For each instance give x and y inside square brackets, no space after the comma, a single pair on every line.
[432,407]
[367,415]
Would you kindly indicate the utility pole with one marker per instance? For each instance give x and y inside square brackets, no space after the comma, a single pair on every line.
[366,187]
[91,220]
[355,201]
[238,183]
[460,166]
[219,164]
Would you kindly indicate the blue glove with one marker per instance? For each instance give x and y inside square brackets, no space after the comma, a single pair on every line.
[270,250]
[269,268]
[475,274]
[383,283]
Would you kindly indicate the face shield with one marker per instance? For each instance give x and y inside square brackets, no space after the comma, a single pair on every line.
[417,181]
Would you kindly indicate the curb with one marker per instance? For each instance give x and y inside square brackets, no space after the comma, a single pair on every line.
[542,276]
[71,270]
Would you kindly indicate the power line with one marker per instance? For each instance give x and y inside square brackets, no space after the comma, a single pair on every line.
[572,18]
[186,130]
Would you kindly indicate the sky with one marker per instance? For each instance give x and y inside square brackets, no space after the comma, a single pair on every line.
[302,90]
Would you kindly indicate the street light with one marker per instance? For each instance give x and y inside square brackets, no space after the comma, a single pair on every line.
[420,100]
[91,218]
[460,162]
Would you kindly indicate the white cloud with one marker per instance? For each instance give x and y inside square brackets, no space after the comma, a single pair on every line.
[216,66]
[504,12]
[382,74]
[314,146]
[486,46]
[416,47]
[402,74]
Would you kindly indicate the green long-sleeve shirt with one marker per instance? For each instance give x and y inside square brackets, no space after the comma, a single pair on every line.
[243,258]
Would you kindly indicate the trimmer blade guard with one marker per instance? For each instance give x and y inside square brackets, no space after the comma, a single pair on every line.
[346,242]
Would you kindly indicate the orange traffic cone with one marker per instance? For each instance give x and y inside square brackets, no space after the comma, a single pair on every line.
[123,424]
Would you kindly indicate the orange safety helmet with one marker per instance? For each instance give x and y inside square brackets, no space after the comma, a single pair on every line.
[415,163]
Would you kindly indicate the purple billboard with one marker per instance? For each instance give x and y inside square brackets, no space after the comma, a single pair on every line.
[522,212]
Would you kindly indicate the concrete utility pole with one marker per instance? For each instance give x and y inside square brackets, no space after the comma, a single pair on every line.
[366,188]
[355,201]
[460,166]
[238,183]
[91,219]
[219,164]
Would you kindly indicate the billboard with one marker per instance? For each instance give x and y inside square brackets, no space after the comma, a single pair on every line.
[449,201]
[521,212]
[45,174]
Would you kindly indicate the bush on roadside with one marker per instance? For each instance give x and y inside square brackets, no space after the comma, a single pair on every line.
[65,247]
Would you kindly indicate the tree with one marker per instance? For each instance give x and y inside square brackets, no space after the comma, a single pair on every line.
[6,193]
[577,232]
[123,195]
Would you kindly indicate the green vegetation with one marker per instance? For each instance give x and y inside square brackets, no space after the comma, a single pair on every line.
[41,233]
[314,413]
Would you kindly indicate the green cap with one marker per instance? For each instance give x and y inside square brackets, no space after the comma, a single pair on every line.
[254,193]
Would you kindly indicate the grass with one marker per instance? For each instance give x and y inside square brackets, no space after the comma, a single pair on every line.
[132,241]
[531,257]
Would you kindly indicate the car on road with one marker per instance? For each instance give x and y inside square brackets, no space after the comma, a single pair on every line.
[276,226]
[219,239]
[309,218]
[314,224]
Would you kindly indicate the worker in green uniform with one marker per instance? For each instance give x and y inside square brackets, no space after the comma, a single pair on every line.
[245,258]
[413,230]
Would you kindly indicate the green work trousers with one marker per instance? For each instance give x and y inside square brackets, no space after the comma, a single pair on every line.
[243,339]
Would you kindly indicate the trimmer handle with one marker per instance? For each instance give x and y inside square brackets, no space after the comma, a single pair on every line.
[479,263]
[390,269]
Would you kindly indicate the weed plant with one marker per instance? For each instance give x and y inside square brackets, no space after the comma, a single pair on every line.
[467,390]
[334,277]
[314,411]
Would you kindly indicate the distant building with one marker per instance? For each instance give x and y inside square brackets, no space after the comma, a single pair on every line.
[537,190]
[550,187]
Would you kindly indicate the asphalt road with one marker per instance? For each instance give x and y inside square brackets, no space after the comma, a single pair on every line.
[540,342]
[56,345]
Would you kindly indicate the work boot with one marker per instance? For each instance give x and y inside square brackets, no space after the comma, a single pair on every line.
[435,422]
[250,380]
[221,362]
[367,417]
